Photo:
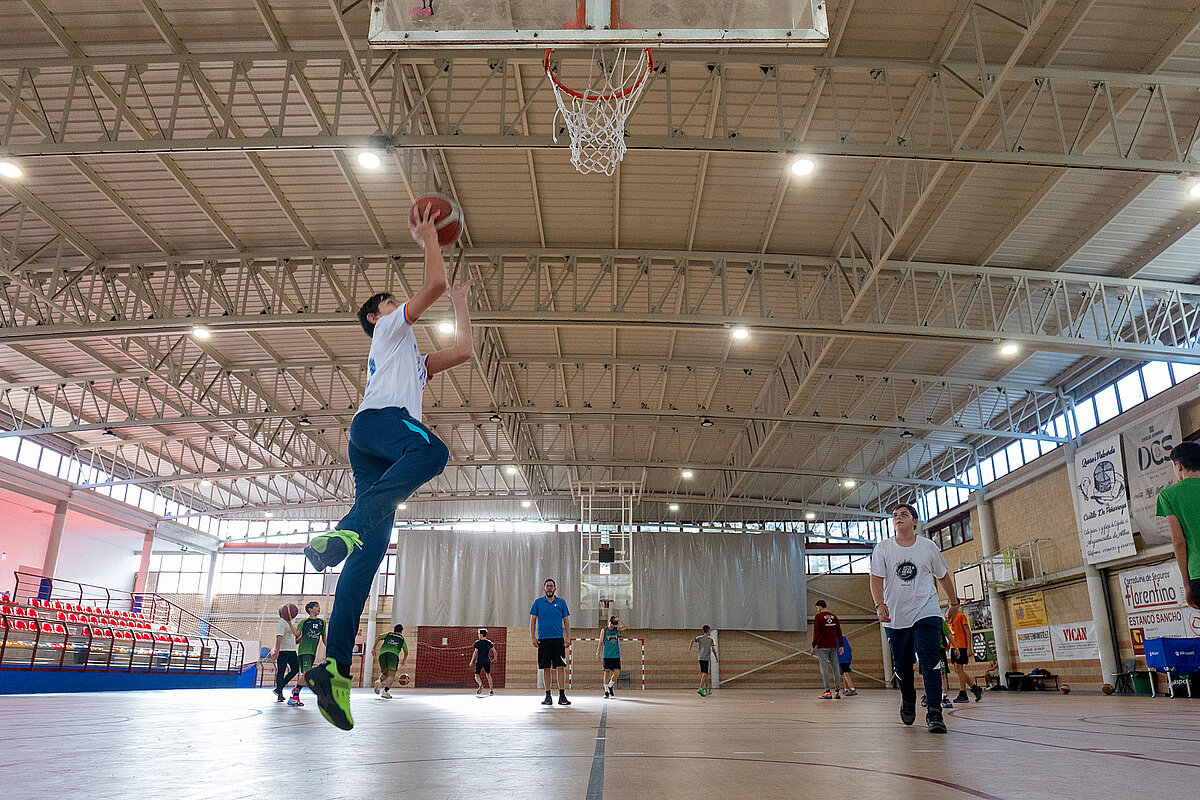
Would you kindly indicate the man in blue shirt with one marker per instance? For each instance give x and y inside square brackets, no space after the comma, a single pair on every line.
[550,631]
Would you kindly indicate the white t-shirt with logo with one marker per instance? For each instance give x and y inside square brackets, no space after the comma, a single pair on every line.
[396,370]
[908,576]
[283,628]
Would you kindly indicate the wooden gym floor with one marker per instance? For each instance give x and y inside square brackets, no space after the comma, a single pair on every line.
[194,744]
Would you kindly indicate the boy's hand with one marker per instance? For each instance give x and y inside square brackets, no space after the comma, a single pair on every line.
[458,294]
[424,231]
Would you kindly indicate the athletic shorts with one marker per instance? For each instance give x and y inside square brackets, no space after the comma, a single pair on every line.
[959,655]
[483,666]
[306,661]
[551,653]
[389,661]
[612,663]
[704,666]
[844,666]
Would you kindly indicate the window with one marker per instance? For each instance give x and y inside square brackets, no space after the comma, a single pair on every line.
[179,572]
[951,534]
[1157,375]
[817,565]
[1107,406]
[1129,390]
[271,573]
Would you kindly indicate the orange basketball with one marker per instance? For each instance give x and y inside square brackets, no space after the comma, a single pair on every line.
[289,611]
[1065,688]
[447,217]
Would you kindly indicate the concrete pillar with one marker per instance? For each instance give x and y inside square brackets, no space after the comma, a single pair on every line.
[210,588]
[1097,596]
[1000,627]
[368,670]
[139,583]
[50,564]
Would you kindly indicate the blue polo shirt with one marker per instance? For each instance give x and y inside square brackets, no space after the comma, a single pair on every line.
[550,617]
[846,655]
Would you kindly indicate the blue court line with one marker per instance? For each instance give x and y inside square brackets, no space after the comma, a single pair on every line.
[595,790]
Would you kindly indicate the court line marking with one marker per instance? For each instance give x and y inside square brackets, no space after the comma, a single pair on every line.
[595,789]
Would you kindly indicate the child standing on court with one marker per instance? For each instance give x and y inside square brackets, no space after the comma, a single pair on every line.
[610,644]
[706,649]
[310,634]
[392,453]
[481,659]
[845,657]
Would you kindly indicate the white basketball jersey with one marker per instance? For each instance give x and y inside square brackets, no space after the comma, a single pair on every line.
[396,371]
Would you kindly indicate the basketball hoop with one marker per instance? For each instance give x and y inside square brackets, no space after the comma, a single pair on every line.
[595,116]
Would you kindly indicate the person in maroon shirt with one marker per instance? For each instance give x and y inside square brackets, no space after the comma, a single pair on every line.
[827,633]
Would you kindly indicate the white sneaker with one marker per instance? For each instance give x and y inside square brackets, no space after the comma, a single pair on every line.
[378,685]
[385,694]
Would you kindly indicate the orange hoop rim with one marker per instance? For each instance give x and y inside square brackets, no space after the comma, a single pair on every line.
[617,24]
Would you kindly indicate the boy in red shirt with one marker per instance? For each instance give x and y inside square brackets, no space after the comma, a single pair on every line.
[827,634]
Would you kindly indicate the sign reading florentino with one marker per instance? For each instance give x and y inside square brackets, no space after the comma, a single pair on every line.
[1101,505]
[1148,445]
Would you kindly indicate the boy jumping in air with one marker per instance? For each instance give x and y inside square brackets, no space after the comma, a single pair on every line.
[392,453]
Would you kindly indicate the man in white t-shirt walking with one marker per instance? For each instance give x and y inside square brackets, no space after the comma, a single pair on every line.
[903,574]
[392,453]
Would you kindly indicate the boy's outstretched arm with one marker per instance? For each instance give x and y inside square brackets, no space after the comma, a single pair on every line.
[435,269]
[463,347]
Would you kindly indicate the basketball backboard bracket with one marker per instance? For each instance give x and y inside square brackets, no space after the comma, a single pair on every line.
[588,23]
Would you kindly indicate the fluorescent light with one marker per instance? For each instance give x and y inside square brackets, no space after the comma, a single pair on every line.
[526,503]
[10,170]
[304,422]
[445,327]
[1009,349]
[269,514]
[849,483]
[201,332]
[741,333]
[510,470]
[803,166]
[687,473]
[673,507]
[369,159]
[810,515]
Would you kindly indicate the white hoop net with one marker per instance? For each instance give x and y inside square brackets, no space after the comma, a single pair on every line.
[595,115]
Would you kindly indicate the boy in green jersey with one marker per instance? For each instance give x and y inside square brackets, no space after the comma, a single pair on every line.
[609,648]
[392,652]
[1180,504]
[312,634]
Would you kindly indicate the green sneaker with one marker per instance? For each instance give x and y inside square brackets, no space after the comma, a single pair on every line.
[333,693]
[330,549]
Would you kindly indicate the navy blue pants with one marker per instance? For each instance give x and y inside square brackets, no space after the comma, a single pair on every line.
[391,455]
[922,641]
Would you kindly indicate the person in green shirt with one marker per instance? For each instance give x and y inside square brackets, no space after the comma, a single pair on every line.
[1180,504]
[609,648]
[392,651]
[311,634]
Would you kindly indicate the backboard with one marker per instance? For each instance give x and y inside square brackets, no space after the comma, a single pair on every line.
[586,23]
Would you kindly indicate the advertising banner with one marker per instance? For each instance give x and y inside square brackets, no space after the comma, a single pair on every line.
[1101,506]
[1028,610]
[1033,644]
[983,646]
[1075,641]
[1148,447]
[1153,598]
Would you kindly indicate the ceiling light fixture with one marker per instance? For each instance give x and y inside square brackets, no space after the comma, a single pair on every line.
[206,483]
[369,159]
[201,332]
[1193,190]
[811,515]
[687,473]
[741,333]
[510,470]
[1009,349]
[304,422]
[906,434]
[673,507]
[110,432]
[706,423]
[445,327]
[402,507]
[269,514]
[10,170]
[849,483]
[494,418]
[526,503]
[803,166]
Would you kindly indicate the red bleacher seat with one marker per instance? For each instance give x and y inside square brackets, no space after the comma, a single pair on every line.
[58,628]
[46,627]
[93,619]
[72,618]
[6,609]
[162,627]
[18,625]
[58,605]
[105,633]
[60,616]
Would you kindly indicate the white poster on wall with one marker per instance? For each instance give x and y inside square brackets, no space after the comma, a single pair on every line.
[1033,644]
[1075,641]
[1148,462]
[1154,604]
[1101,505]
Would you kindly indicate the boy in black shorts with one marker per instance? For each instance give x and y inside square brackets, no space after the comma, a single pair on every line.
[481,659]
[389,647]
[610,644]
[706,648]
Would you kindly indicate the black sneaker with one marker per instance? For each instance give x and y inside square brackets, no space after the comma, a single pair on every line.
[548,701]
[612,692]
[935,724]
[278,695]
[333,693]
[975,690]
[908,713]
[562,700]
[961,697]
